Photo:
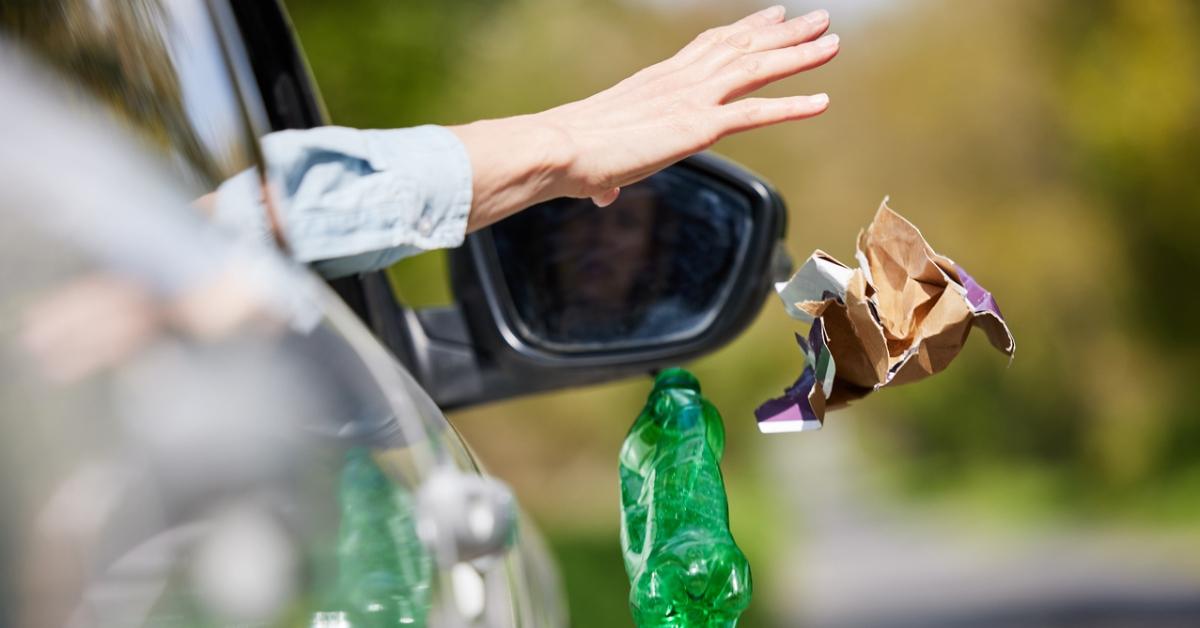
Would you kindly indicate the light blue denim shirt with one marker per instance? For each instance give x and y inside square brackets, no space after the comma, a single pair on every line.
[356,200]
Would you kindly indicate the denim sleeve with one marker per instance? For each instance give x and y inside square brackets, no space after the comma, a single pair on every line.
[357,200]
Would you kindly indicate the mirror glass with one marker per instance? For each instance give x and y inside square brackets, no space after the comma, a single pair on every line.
[652,268]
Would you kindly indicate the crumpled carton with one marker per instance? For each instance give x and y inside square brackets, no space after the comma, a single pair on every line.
[901,316]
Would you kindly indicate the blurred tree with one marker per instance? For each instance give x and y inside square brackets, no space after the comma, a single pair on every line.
[1130,106]
[387,63]
[1099,402]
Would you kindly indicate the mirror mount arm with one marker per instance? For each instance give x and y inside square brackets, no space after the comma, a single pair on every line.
[433,343]
[782,264]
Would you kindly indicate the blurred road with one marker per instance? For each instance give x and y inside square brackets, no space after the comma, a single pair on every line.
[863,562]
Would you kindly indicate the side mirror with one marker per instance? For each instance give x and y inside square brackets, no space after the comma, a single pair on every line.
[567,294]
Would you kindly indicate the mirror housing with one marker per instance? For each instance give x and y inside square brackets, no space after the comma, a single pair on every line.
[492,345]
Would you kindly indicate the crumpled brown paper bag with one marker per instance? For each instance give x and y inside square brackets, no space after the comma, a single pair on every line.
[901,316]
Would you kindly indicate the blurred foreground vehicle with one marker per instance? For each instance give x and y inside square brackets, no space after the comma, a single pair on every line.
[196,432]
[186,420]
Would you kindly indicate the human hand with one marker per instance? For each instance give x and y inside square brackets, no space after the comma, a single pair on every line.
[672,109]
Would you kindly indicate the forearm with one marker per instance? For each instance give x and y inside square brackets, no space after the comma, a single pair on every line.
[515,162]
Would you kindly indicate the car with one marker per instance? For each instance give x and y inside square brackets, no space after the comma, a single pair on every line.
[194,426]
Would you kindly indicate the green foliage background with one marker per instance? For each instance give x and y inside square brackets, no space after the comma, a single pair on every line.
[1048,146]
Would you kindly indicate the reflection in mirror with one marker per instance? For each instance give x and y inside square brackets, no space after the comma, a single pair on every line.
[652,268]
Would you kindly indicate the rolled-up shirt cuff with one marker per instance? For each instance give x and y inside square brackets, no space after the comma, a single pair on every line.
[359,200]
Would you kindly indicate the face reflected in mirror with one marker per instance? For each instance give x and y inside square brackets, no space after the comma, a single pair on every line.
[651,268]
[600,256]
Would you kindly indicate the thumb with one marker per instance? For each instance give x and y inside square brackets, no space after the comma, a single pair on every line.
[606,198]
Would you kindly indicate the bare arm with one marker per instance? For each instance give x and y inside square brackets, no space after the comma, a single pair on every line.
[675,108]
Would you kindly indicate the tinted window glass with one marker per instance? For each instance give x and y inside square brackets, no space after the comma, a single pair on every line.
[651,268]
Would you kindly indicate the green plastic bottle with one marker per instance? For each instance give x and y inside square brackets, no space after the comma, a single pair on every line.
[384,571]
[684,568]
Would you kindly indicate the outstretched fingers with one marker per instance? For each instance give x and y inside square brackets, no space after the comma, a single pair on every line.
[752,113]
[769,15]
[761,68]
[702,44]
[790,33]
[607,197]
[716,37]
